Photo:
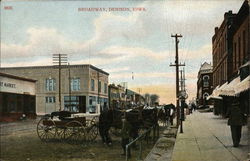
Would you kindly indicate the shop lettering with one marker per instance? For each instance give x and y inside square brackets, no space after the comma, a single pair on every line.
[9,85]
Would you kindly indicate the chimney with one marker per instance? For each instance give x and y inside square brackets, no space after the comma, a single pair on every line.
[216,30]
[228,14]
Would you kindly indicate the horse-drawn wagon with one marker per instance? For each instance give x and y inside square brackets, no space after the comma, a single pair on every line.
[65,126]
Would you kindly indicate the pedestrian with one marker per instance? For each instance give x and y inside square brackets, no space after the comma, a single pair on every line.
[193,106]
[190,108]
[235,121]
[126,130]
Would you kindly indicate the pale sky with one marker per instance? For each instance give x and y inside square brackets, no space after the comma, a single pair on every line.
[119,42]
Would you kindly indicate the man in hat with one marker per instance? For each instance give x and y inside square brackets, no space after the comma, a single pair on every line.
[236,120]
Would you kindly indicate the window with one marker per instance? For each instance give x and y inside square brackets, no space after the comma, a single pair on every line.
[71,103]
[105,87]
[244,46]
[50,84]
[205,95]
[75,84]
[239,52]
[92,85]
[50,99]
[99,86]
[206,81]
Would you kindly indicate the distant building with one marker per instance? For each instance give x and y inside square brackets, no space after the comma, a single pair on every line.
[17,97]
[82,87]
[204,83]
[117,97]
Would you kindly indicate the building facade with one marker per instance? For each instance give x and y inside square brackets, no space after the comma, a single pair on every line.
[222,49]
[117,96]
[233,83]
[79,89]
[241,39]
[204,84]
[17,97]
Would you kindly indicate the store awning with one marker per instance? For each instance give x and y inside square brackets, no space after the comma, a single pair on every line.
[216,92]
[214,97]
[242,86]
[229,89]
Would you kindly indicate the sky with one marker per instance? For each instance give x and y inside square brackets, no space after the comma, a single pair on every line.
[134,45]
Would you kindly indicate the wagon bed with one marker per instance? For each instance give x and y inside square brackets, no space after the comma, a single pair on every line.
[76,128]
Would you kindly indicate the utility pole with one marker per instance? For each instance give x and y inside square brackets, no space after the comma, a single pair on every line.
[98,92]
[70,107]
[183,97]
[176,36]
[182,103]
[60,59]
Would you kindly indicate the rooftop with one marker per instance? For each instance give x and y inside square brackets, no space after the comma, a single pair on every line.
[16,77]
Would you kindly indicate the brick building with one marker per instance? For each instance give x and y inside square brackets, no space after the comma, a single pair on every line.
[82,87]
[231,61]
[241,40]
[204,83]
[222,49]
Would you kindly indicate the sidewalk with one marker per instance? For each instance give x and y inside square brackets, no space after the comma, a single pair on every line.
[164,146]
[207,137]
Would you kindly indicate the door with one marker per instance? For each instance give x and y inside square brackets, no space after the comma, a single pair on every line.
[82,104]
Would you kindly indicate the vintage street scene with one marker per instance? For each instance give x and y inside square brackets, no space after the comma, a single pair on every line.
[125,80]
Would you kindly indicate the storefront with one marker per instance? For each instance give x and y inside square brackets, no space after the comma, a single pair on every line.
[17,97]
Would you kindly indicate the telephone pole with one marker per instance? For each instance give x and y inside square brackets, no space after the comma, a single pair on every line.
[176,36]
[60,59]
[70,107]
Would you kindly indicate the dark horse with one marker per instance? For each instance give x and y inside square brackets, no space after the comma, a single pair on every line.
[138,118]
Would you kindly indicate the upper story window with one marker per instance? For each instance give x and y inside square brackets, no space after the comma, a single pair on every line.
[92,85]
[50,84]
[105,88]
[206,81]
[75,84]
[99,86]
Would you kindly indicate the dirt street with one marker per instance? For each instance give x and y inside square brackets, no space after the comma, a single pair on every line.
[23,144]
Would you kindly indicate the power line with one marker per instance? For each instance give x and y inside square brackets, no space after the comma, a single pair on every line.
[60,59]
[176,36]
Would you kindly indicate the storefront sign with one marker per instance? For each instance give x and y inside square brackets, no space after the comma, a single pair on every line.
[8,85]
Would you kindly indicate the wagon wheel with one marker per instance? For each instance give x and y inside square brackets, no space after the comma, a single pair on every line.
[91,130]
[46,129]
[94,120]
[74,132]
[60,133]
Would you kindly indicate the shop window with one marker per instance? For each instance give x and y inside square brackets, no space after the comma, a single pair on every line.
[71,103]
[50,84]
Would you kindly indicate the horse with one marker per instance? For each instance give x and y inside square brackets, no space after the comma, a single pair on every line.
[139,118]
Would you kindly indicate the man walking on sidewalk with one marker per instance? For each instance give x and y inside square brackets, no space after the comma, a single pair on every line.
[236,120]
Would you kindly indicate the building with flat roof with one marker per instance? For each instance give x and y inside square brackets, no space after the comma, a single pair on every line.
[17,97]
[81,87]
